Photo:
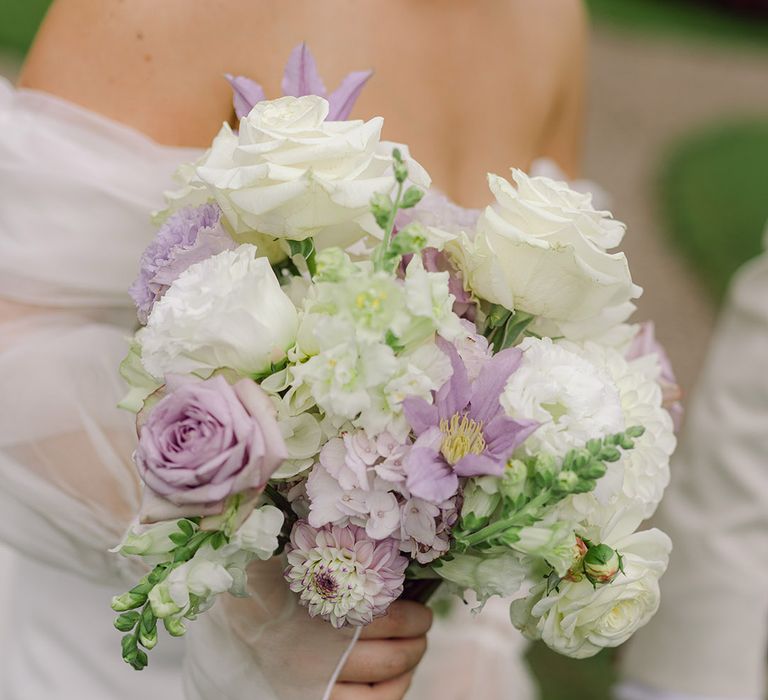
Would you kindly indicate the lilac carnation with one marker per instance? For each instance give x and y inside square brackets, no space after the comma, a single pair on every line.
[341,575]
[204,442]
[189,236]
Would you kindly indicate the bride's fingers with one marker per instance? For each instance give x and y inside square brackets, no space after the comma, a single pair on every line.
[404,618]
[393,689]
[375,661]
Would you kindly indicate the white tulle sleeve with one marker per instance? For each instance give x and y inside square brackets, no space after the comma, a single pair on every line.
[76,191]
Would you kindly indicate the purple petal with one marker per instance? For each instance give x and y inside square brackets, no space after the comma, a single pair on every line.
[343,98]
[454,395]
[429,476]
[504,435]
[479,465]
[301,76]
[247,93]
[420,415]
[490,383]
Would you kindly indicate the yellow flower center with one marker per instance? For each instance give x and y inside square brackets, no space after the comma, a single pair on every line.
[463,436]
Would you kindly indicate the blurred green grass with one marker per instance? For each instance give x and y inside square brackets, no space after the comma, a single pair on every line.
[19,20]
[713,192]
[682,18]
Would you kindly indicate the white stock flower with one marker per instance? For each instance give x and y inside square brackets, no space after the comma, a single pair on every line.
[200,577]
[429,300]
[148,540]
[289,173]
[542,249]
[227,311]
[573,399]
[579,620]
[258,534]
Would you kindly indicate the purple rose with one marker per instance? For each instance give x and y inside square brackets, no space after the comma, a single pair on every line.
[204,442]
[189,236]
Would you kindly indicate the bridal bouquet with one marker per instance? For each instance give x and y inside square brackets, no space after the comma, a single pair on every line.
[339,367]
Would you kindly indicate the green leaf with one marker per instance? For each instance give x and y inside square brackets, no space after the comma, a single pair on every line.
[178,538]
[187,527]
[514,326]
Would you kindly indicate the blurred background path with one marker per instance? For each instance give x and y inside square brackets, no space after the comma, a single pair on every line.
[677,132]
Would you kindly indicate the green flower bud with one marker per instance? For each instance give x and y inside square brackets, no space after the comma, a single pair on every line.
[566,481]
[513,480]
[128,601]
[174,626]
[127,621]
[478,502]
[148,638]
[602,564]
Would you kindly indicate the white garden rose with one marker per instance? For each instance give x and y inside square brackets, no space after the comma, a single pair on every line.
[290,174]
[578,620]
[226,311]
[542,249]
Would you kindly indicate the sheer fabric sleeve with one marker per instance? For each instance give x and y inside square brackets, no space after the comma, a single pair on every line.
[76,191]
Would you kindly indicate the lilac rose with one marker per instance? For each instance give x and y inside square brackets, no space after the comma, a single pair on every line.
[204,442]
[189,236]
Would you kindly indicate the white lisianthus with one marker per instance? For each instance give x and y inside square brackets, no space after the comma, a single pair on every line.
[573,399]
[542,249]
[578,620]
[226,311]
[484,574]
[258,534]
[288,173]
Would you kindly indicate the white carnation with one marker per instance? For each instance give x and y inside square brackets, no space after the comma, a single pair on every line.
[642,473]
[573,399]
[289,173]
[226,311]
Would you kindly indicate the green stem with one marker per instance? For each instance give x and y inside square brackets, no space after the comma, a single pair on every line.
[516,520]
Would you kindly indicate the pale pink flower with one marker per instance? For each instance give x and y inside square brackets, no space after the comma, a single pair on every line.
[341,575]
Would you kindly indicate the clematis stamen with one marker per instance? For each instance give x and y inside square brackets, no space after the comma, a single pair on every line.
[463,436]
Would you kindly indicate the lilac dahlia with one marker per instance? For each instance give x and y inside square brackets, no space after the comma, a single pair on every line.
[465,431]
[341,575]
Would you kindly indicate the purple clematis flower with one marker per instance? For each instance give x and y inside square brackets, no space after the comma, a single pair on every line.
[301,78]
[465,431]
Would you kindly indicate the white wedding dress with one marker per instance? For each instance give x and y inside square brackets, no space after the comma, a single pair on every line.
[76,190]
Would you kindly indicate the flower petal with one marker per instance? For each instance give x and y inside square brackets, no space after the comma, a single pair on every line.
[343,98]
[247,93]
[484,402]
[429,476]
[301,76]
[479,465]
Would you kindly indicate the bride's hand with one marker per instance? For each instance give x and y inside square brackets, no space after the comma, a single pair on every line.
[382,663]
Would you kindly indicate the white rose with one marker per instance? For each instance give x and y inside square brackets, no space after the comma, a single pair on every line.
[226,311]
[258,534]
[579,620]
[288,173]
[542,249]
